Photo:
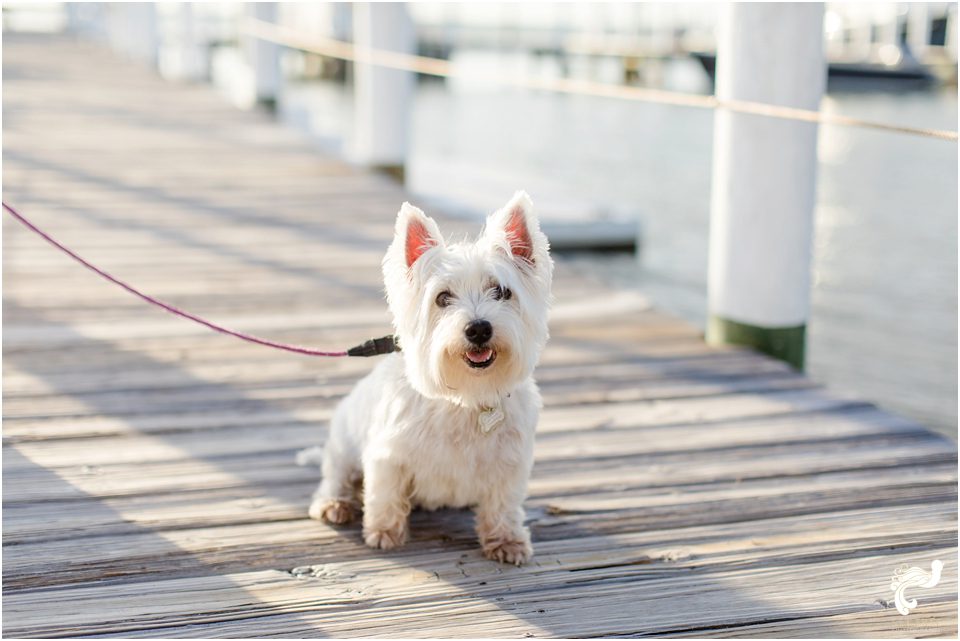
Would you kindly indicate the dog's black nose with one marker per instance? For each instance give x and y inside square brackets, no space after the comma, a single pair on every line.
[479,332]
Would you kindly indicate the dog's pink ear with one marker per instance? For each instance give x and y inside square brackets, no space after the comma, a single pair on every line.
[420,233]
[418,241]
[518,233]
[519,227]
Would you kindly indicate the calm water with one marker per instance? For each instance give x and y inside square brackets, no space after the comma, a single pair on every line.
[884,320]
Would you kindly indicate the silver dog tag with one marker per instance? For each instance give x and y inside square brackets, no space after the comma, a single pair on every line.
[490,418]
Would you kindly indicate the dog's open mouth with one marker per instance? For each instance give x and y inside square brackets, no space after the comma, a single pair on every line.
[480,358]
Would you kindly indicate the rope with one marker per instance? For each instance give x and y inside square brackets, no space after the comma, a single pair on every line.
[167,306]
[332,48]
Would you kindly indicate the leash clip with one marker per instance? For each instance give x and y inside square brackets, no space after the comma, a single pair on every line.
[376,347]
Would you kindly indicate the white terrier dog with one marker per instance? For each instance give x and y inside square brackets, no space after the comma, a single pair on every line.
[449,421]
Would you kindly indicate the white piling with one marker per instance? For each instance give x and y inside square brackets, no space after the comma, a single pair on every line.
[888,27]
[918,28]
[87,20]
[185,55]
[132,30]
[382,96]
[764,177]
[264,57]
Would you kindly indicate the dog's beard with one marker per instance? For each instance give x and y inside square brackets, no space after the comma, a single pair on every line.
[472,386]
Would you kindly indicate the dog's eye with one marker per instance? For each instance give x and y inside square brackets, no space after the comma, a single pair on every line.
[444,298]
[501,293]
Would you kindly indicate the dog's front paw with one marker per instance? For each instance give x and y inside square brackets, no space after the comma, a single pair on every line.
[515,551]
[385,538]
[333,511]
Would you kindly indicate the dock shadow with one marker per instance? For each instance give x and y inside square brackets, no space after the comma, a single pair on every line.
[92,560]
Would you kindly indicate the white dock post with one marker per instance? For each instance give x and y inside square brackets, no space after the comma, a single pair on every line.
[918,28]
[133,30]
[764,178]
[888,29]
[87,19]
[264,56]
[383,96]
[185,57]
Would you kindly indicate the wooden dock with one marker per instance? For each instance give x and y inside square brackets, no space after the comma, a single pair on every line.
[149,481]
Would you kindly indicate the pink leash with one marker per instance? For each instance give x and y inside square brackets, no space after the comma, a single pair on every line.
[372,347]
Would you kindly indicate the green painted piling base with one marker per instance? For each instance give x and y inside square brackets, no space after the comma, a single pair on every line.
[268,104]
[786,343]
[397,172]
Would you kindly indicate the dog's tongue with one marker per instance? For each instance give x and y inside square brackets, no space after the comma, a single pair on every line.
[480,357]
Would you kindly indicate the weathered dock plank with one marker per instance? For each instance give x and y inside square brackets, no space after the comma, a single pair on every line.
[149,484]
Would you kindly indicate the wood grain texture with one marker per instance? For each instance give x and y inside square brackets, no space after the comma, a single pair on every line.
[149,480]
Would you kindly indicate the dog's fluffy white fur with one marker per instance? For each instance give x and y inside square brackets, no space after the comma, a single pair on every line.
[411,433]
